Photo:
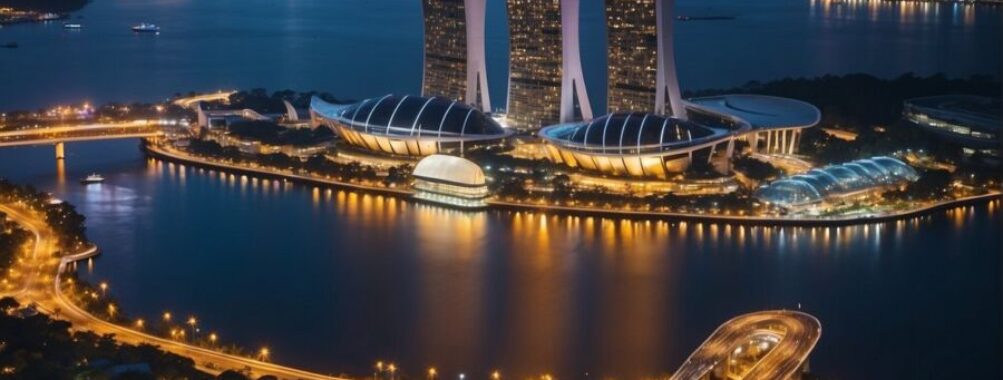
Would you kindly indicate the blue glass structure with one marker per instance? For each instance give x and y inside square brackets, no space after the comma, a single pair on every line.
[831,181]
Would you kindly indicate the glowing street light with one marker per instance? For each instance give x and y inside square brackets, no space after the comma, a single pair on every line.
[432,373]
[263,353]
[495,375]
[167,316]
[111,310]
[104,288]
[140,323]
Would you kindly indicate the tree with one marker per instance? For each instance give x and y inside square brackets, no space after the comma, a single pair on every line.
[8,304]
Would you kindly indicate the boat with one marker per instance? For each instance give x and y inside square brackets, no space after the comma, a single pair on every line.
[72,26]
[93,178]
[9,45]
[146,28]
[700,18]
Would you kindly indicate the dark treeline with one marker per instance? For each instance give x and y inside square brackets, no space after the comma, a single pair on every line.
[861,100]
[316,165]
[59,6]
[270,133]
[12,239]
[61,216]
[35,346]
[260,100]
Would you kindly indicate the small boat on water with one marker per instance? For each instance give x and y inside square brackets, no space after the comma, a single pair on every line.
[146,28]
[704,18]
[10,45]
[93,178]
[73,26]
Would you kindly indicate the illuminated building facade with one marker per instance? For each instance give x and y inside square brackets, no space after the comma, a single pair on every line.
[546,83]
[649,145]
[641,58]
[454,61]
[635,144]
[450,180]
[971,122]
[409,125]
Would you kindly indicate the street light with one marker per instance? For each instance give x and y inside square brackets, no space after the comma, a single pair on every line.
[264,353]
[104,288]
[432,373]
[495,375]
[139,323]
[167,316]
[212,338]
[192,322]
[111,310]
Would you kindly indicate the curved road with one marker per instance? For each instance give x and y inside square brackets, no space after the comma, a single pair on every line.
[41,274]
[798,333]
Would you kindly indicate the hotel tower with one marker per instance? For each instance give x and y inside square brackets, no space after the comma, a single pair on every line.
[642,66]
[546,84]
[454,63]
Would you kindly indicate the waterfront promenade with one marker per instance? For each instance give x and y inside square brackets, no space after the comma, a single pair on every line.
[183,157]
[41,287]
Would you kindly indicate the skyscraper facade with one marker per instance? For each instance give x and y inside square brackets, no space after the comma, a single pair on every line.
[454,65]
[642,67]
[546,84]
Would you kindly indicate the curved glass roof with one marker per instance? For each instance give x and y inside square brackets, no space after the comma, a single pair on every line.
[411,116]
[818,184]
[628,130]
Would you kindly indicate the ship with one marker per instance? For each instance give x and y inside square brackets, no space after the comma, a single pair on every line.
[9,45]
[73,26]
[93,178]
[146,28]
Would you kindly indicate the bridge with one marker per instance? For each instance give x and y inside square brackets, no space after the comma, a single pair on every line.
[192,101]
[762,345]
[59,135]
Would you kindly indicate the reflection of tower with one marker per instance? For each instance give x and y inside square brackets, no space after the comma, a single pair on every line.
[642,66]
[454,65]
[546,83]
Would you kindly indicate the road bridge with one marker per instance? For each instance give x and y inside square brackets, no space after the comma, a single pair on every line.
[763,345]
[59,135]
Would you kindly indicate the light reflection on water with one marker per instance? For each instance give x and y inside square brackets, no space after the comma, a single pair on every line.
[341,279]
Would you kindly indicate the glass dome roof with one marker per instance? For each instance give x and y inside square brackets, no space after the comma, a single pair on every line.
[412,116]
[818,184]
[628,129]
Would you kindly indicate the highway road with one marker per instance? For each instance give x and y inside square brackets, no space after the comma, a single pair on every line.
[41,286]
[190,101]
[798,333]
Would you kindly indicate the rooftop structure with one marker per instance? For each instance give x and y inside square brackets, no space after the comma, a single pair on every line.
[450,180]
[632,144]
[837,181]
[642,67]
[546,82]
[454,64]
[973,122]
[409,125]
[774,124]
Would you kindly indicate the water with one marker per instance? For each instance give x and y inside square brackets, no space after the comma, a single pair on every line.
[334,281]
[363,48]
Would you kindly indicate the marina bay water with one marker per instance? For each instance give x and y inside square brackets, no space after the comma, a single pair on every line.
[358,49]
[333,280]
